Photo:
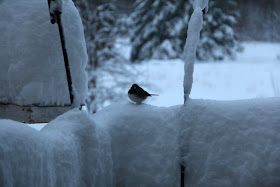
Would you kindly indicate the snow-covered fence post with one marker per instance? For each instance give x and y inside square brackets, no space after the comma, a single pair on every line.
[55,8]
[194,27]
[38,94]
[193,34]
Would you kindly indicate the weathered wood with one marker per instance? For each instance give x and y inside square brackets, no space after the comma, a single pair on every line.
[31,114]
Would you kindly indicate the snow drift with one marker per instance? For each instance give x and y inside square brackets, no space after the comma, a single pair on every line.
[32,69]
[70,151]
[144,144]
[231,143]
[222,143]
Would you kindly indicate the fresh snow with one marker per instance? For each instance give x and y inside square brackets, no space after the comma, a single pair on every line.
[56,6]
[200,4]
[144,144]
[254,73]
[32,69]
[72,150]
[231,143]
[193,35]
[222,143]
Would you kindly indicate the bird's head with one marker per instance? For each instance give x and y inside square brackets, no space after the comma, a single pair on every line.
[133,88]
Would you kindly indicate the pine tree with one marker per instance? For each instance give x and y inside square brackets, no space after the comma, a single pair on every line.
[156,29]
[99,21]
[99,27]
[160,29]
[218,38]
[108,72]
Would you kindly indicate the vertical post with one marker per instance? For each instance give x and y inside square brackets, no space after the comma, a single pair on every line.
[183,168]
[55,9]
[65,56]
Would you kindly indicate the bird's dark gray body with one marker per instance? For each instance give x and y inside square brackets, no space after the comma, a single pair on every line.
[138,94]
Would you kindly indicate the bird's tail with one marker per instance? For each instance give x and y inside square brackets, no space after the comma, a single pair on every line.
[154,95]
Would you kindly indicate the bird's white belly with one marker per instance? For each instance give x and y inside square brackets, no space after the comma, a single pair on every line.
[135,99]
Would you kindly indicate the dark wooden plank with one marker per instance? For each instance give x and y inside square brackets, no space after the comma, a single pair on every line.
[31,114]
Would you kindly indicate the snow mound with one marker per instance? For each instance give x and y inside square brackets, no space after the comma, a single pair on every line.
[221,143]
[231,143]
[32,68]
[70,151]
[144,144]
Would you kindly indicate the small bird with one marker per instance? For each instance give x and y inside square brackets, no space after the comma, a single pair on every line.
[138,94]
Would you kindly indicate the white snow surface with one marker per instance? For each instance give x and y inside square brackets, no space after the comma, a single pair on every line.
[254,73]
[144,144]
[231,143]
[222,143]
[72,150]
[201,4]
[56,6]
[32,68]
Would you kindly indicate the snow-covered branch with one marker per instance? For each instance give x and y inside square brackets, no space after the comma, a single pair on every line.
[194,28]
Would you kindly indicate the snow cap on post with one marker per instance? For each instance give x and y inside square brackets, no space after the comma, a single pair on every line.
[193,34]
[55,6]
[203,4]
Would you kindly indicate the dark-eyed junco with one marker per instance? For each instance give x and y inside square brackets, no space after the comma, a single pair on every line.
[138,94]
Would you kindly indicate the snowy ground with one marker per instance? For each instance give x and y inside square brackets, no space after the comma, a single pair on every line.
[248,76]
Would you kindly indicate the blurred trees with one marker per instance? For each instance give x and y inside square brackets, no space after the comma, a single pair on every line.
[159,29]
[99,27]
[99,21]
[156,29]
[260,20]
[218,36]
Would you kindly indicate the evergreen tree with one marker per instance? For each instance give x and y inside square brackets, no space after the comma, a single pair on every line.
[108,71]
[99,23]
[99,27]
[259,20]
[156,28]
[160,29]
[218,38]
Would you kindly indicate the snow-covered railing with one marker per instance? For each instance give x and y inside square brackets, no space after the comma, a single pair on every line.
[194,27]
[223,143]
[33,76]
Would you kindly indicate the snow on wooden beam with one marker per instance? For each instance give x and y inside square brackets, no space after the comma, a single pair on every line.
[31,114]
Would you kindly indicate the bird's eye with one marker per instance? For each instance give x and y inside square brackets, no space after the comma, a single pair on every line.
[134,88]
